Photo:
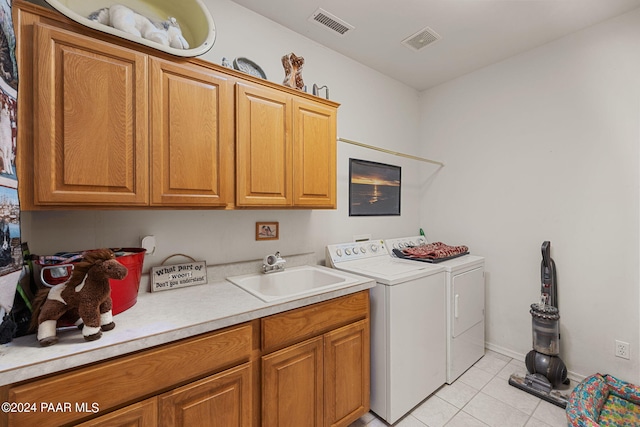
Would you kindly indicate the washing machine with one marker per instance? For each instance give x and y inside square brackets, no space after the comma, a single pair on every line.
[408,325]
[465,288]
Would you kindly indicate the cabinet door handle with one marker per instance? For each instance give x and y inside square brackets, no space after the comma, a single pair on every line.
[455,305]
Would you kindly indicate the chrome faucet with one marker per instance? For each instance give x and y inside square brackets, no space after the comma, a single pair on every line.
[273,263]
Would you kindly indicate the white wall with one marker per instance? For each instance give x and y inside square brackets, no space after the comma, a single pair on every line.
[544,146]
[374,109]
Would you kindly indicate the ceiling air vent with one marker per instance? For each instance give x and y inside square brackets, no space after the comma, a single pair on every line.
[421,39]
[327,20]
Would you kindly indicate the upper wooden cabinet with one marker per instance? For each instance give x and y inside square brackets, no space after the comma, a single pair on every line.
[263,146]
[90,131]
[109,123]
[285,149]
[191,136]
[103,111]
[314,154]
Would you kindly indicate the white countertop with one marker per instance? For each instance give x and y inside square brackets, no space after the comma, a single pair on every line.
[156,318]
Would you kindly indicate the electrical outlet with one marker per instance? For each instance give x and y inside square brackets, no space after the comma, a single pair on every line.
[622,349]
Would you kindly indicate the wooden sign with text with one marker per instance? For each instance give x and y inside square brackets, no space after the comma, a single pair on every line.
[166,277]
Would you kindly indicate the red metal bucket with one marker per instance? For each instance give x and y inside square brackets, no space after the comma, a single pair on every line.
[124,293]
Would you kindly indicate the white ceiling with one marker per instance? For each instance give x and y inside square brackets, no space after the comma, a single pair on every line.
[473,33]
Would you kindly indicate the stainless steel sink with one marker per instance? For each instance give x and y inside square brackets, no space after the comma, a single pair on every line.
[305,280]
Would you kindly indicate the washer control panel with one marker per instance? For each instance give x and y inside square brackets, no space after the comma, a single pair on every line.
[354,251]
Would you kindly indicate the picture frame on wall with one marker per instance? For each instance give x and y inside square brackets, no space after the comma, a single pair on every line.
[374,188]
[267,230]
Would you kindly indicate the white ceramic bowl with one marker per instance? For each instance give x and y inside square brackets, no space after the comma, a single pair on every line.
[193,16]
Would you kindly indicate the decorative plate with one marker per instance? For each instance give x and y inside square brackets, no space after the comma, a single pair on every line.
[248,66]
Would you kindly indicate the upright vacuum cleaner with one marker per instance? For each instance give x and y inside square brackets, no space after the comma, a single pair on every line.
[546,370]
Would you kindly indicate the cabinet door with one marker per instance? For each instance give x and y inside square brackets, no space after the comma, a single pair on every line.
[292,386]
[263,146]
[141,414]
[90,138]
[222,400]
[314,154]
[191,136]
[346,364]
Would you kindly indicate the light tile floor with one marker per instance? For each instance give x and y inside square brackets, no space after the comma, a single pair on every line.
[481,397]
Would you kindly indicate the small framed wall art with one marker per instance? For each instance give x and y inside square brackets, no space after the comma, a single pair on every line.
[267,230]
[374,188]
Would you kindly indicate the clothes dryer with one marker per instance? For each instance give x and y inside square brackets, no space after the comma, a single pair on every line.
[465,287]
[408,325]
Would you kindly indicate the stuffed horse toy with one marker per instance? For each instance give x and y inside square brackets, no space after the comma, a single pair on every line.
[84,299]
[166,33]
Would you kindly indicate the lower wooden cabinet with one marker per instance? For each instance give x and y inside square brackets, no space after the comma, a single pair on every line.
[322,381]
[346,374]
[141,414]
[305,367]
[222,400]
[292,386]
[99,389]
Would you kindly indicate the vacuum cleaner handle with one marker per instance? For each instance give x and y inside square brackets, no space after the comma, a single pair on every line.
[548,275]
[546,263]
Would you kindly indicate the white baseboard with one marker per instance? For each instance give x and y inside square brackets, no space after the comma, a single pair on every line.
[573,376]
[504,351]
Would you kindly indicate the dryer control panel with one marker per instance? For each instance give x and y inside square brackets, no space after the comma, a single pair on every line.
[404,242]
[352,251]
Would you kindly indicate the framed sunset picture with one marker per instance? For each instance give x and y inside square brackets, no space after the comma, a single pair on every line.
[374,188]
